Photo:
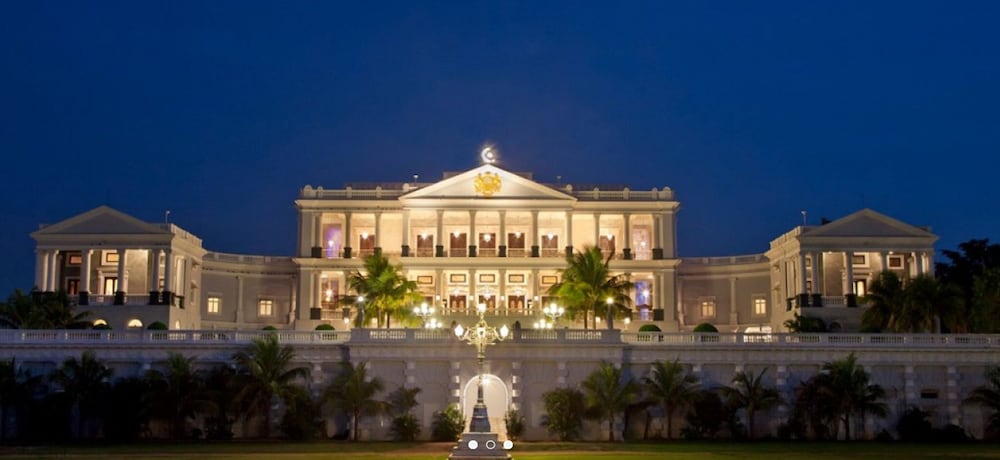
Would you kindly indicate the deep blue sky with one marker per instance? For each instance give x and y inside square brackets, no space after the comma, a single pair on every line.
[750,111]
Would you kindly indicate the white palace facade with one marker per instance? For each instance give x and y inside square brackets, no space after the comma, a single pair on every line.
[484,236]
[498,238]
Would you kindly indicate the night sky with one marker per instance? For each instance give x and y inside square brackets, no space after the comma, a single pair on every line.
[750,111]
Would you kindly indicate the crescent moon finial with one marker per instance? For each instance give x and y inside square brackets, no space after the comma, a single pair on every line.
[488,154]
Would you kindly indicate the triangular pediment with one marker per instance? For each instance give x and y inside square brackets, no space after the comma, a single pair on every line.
[487,182]
[102,220]
[867,223]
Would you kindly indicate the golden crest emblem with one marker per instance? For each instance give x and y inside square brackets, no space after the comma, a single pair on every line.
[487,183]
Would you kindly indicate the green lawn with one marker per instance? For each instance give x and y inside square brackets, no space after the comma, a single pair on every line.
[522,451]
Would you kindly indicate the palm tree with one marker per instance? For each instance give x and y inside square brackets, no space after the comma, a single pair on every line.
[178,393]
[885,297]
[988,396]
[41,310]
[748,392]
[15,388]
[609,392]
[85,382]
[587,283]
[352,391]
[266,372]
[931,304]
[849,388]
[670,387]
[386,290]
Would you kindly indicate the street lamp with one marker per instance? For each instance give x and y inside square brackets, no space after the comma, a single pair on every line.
[481,335]
[542,324]
[423,311]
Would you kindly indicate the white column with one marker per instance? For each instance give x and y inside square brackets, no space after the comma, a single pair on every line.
[884,259]
[569,228]
[474,302]
[817,264]
[406,227]
[318,230]
[53,282]
[41,269]
[930,263]
[473,239]
[802,273]
[918,257]
[670,235]
[734,317]
[503,229]
[85,270]
[347,229]
[502,295]
[154,281]
[657,241]
[378,230]
[597,229]
[440,230]
[122,282]
[168,271]
[534,229]
[664,242]
[849,271]
[239,294]
[628,234]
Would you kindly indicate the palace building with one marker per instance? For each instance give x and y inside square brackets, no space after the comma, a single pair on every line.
[483,236]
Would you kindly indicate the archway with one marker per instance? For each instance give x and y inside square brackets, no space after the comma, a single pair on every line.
[496,395]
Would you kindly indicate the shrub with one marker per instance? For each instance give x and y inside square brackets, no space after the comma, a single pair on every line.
[564,411]
[156,326]
[914,425]
[324,327]
[705,327]
[269,328]
[649,328]
[447,424]
[514,422]
[405,427]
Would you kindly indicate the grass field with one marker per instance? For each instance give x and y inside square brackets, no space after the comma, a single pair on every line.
[522,451]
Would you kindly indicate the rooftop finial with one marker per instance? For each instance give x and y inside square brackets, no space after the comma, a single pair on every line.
[488,154]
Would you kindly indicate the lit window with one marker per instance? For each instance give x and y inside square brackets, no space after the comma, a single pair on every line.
[708,308]
[860,288]
[265,307]
[860,260]
[134,324]
[214,304]
[111,257]
[759,306]
[74,259]
[896,262]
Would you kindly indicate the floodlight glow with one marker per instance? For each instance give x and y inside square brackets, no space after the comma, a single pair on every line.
[508,444]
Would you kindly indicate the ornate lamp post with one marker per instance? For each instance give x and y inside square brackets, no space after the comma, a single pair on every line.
[361,310]
[480,441]
[423,311]
[553,311]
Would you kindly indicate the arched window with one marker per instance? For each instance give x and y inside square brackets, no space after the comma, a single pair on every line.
[134,323]
[100,322]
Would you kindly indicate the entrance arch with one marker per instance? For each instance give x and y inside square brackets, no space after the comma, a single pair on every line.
[496,395]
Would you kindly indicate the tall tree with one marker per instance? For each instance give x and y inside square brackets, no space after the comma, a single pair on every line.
[930,305]
[671,388]
[608,392]
[972,263]
[222,386]
[15,388]
[266,372]
[748,392]
[178,393]
[354,392]
[387,292]
[586,284]
[564,411]
[850,389]
[987,395]
[85,383]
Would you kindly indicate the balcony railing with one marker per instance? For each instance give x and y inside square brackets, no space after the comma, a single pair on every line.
[185,338]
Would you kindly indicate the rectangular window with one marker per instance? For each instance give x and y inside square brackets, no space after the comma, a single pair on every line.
[72,286]
[459,245]
[860,260]
[74,259]
[549,279]
[214,305]
[550,245]
[487,245]
[895,262]
[515,245]
[425,245]
[760,306]
[110,257]
[265,307]
[707,307]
